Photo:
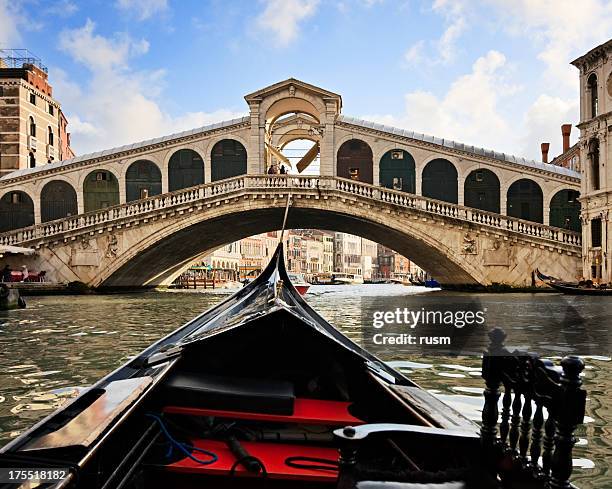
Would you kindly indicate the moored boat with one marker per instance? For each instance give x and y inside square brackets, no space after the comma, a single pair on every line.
[10,298]
[261,391]
[586,287]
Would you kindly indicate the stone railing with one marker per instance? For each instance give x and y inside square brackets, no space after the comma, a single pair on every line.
[292,184]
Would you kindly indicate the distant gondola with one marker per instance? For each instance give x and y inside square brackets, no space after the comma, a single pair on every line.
[582,288]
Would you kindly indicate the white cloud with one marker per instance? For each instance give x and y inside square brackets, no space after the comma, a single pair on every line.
[443,49]
[454,13]
[542,124]
[414,54]
[282,18]
[468,112]
[117,105]
[62,8]
[10,18]
[142,9]
[98,52]
[564,29]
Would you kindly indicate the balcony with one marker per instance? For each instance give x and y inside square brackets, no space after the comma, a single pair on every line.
[32,143]
[50,152]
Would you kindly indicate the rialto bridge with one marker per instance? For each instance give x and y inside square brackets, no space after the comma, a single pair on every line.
[138,214]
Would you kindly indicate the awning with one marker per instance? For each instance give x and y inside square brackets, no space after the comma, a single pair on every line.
[15,250]
[308,158]
[280,156]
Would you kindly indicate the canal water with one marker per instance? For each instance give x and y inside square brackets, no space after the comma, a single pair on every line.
[59,345]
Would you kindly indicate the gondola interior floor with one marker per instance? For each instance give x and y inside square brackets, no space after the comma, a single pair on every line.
[273,454]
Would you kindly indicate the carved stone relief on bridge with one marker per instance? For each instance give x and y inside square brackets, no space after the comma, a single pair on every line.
[84,254]
[112,247]
[469,244]
[498,255]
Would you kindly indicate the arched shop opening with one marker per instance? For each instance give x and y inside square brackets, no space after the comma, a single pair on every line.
[58,199]
[397,171]
[355,161]
[525,200]
[142,180]
[440,181]
[481,190]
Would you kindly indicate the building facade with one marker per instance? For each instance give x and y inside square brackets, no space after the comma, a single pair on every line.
[596,156]
[347,250]
[33,129]
[369,259]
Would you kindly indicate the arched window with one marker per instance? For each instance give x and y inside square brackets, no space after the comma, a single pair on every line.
[58,199]
[593,96]
[565,210]
[186,169]
[594,164]
[228,158]
[100,190]
[31,160]
[481,190]
[50,136]
[440,181]
[355,161]
[16,211]
[32,127]
[397,171]
[525,200]
[142,180]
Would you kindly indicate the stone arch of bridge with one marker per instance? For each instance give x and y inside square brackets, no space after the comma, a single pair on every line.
[180,242]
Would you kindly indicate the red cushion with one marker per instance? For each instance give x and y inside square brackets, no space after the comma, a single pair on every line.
[306,411]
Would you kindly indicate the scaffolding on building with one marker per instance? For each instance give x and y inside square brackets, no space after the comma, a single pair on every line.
[17,58]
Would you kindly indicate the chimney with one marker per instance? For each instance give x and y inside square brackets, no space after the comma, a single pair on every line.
[545,147]
[566,130]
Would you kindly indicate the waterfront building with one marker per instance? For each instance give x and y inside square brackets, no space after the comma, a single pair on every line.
[328,251]
[296,252]
[595,146]
[314,256]
[225,258]
[251,256]
[570,158]
[32,124]
[347,253]
[369,258]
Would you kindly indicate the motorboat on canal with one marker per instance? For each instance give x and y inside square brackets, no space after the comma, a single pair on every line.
[586,287]
[299,282]
[261,391]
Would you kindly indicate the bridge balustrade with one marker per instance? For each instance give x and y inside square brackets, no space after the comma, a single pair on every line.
[295,184]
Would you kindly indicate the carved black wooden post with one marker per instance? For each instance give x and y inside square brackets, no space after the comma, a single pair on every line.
[536,435]
[570,412]
[526,380]
[491,372]
[504,425]
[549,436]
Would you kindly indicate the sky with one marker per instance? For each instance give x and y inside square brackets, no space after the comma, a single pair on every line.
[493,73]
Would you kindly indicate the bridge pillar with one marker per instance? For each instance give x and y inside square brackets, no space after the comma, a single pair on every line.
[122,194]
[461,190]
[327,155]
[256,143]
[164,179]
[36,202]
